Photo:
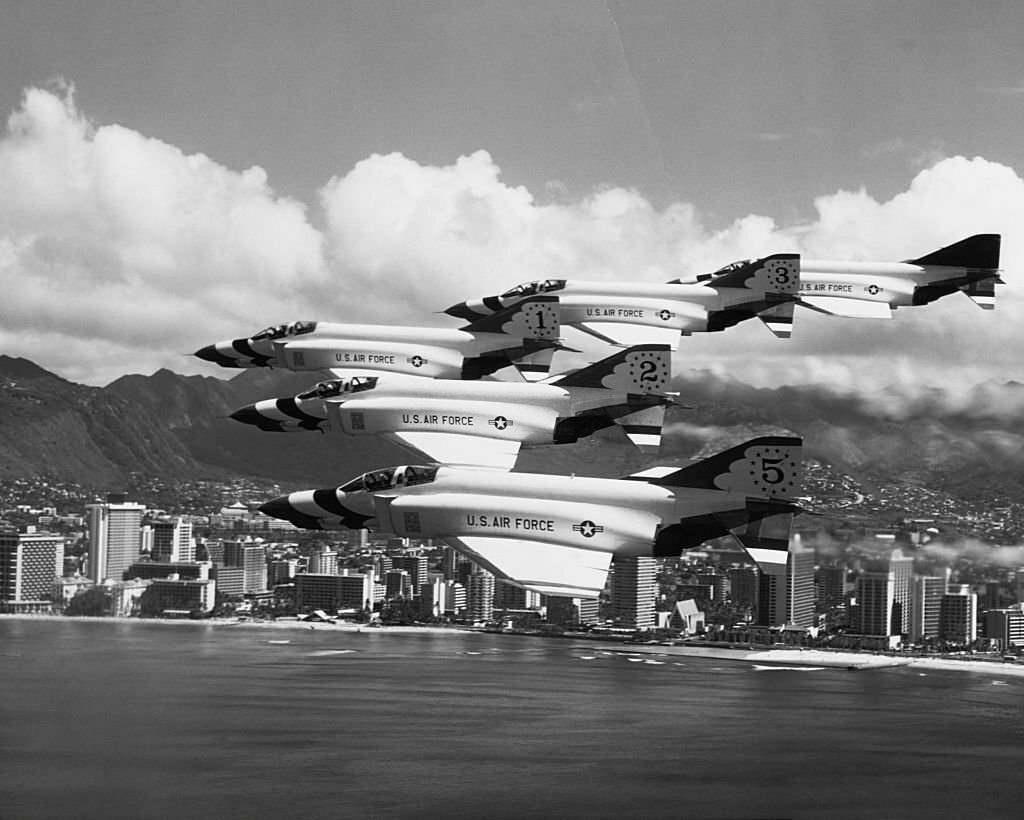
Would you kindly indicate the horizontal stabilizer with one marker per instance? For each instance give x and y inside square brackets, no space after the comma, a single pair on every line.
[852,308]
[980,251]
[550,569]
[535,367]
[643,428]
[779,319]
[766,541]
[983,292]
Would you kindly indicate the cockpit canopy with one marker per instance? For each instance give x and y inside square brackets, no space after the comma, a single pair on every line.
[339,387]
[406,476]
[533,288]
[290,329]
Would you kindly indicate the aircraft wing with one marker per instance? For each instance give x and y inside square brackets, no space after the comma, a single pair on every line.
[454,448]
[353,372]
[853,308]
[630,335]
[550,569]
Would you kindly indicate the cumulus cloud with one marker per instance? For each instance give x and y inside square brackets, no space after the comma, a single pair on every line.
[124,252]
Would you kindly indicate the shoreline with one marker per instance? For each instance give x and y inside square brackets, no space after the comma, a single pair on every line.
[769,658]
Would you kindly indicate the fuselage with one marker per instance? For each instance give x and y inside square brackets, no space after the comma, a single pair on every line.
[608,515]
[431,352]
[532,414]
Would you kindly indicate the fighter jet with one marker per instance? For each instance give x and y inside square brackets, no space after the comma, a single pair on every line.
[524,336]
[558,534]
[873,290]
[627,313]
[485,423]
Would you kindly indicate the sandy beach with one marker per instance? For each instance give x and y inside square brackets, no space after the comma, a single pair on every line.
[779,658]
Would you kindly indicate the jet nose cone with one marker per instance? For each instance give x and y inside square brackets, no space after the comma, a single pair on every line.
[463,311]
[208,354]
[215,353]
[279,507]
[248,415]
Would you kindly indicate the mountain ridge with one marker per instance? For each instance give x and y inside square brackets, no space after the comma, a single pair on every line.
[177,427]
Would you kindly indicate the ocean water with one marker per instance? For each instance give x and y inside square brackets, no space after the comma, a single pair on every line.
[188,720]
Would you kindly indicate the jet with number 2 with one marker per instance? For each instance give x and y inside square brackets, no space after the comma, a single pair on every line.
[484,423]
[558,534]
[627,313]
[524,336]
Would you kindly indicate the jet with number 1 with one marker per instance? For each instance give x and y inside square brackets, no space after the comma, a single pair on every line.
[557,534]
[524,336]
[485,423]
[626,313]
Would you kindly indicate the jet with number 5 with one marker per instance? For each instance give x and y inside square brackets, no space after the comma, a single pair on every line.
[558,534]
[485,423]
[524,336]
[627,313]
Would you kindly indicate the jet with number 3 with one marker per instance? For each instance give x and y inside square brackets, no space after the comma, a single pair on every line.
[873,290]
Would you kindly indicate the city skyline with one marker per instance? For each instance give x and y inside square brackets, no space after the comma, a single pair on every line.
[378,162]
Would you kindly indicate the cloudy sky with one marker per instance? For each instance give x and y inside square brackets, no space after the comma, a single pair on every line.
[175,174]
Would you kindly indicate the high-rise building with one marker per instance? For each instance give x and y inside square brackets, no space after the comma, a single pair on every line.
[875,600]
[743,586]
[634,591]
[1006,626]
[572,612]
[800,588]
[114,536]
[509,596]
[172,540]
[926,605]
[416,565]
[332,592]
[30,563]
[254,568]
[958,615]
[456,598]
[480,596]
[902,568]
[830,588]
[323,562]
[397,585]
[283,570]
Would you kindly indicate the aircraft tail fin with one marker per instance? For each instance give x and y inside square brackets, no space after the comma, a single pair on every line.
[757,287]
[777,274]
[536,318]
[979,252]
[765,473]
[642,369]
[768,467]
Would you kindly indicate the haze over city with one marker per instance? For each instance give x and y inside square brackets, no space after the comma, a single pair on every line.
[379,162]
